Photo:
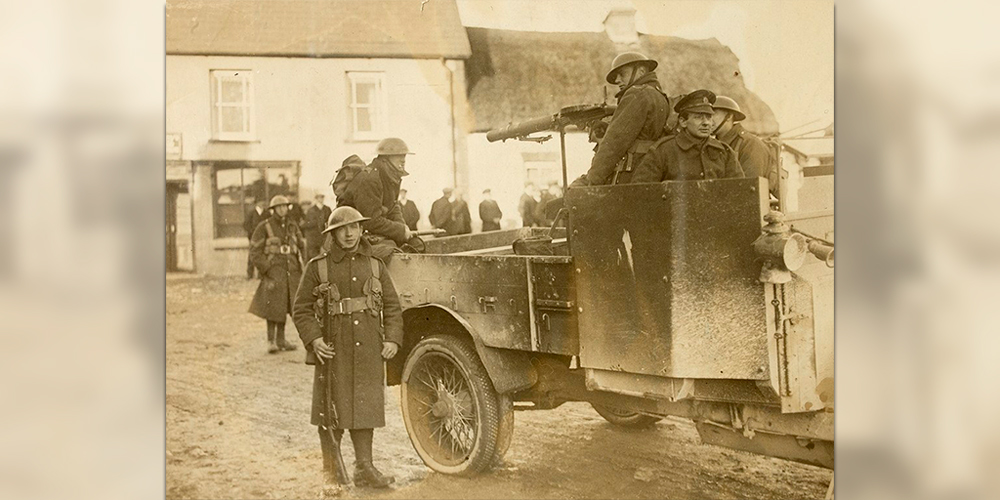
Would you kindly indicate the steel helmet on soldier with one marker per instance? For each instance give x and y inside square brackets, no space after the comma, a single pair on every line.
[723,102]
[626,58]
[343,216]
[392,146]
[279,200]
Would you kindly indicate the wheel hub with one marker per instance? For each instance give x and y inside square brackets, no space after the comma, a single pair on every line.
[445,406]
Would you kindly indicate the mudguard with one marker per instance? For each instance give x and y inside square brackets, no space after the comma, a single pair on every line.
[508,370]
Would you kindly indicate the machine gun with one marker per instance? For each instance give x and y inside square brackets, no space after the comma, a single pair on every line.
[579,115]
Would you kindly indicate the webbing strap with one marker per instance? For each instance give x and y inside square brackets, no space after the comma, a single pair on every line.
[267,226]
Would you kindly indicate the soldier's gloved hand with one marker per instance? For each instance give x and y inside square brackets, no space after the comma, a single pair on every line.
[389,349]
[323,351]
[407,234]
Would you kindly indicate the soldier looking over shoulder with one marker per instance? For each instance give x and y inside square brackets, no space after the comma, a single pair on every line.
[638,121]
[375,193]
[693,153]
[754,157]
[349,318]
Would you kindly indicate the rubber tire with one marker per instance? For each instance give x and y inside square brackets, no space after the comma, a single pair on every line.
[505,431]
[489,405]
[625,419]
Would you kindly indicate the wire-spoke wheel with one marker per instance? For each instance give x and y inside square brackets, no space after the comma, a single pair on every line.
[452,413]
[625,418]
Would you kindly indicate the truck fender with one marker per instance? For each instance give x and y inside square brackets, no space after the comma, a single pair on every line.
[508,370]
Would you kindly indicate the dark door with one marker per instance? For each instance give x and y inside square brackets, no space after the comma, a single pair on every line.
[171,226]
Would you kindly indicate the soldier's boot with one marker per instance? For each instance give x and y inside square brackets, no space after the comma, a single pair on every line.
[282,344]
[272,347]
[334,477]
[365,473]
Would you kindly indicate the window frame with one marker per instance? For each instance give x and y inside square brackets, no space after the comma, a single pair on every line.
[245,76]
[380,106]
[263,167]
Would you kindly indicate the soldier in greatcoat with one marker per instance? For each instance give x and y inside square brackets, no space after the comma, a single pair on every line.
[276,249]
[365,328]
[692,154]
[753,154]
[375,193]
[638,121]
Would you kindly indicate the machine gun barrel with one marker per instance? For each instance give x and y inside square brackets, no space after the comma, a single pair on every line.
[570,115]
[515,130]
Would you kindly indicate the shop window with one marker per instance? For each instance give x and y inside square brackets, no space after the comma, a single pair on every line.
[238,186]
[367,105]
[232,105]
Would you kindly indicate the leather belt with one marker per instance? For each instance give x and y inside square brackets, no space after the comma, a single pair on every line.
[348,306]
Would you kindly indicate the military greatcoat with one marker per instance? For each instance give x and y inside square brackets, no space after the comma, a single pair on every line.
[641,116]
[684,157]
[358,367]
[280,273]
[753,154]
[375,192]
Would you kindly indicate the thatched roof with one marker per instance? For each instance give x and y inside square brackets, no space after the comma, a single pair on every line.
[316,28]
[517,75]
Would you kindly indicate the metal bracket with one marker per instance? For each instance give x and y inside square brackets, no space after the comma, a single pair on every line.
[487,303]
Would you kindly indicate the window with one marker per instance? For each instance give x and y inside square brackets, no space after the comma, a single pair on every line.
[232,105]
[542,169]
[238,185]
[367,105]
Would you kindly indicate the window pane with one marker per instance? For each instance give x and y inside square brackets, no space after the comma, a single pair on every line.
[282,180]
[253,190]
[364,120]
[232,90]
[232,119]
[228,203]
[365,92]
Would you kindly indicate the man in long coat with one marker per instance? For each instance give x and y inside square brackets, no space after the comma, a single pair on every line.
[315,222]
[411,214]
[276,249]
[461,219]
[350,355]
[639,120]
[692,154]
[375,193]
[253,217]
[440,216]
[490,212]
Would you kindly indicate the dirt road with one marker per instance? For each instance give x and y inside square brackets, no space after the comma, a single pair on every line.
[238,427]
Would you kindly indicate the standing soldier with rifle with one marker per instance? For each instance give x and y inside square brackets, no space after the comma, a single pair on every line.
[349,318]
[639,120]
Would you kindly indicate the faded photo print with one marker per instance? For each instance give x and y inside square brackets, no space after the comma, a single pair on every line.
[499,249]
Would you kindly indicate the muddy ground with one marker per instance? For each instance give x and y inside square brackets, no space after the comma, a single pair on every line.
[238,427]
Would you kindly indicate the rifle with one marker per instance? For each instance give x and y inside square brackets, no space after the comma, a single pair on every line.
[332,420]
[428,232]
[579,115]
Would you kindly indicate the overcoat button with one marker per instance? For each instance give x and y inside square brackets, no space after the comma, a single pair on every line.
[357,343]
[354,278]
[355,322]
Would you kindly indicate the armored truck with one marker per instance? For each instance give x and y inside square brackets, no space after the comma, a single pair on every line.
[707,300]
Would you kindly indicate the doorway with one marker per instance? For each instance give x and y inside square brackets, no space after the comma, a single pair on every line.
[180,244]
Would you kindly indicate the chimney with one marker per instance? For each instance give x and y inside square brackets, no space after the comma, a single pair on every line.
[620,27]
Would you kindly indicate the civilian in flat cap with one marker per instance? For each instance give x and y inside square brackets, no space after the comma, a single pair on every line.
[692,154]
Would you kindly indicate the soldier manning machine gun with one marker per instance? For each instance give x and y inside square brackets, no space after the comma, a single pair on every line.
[580,116]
